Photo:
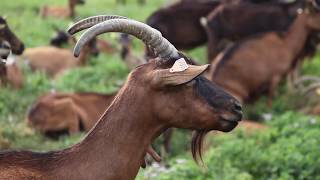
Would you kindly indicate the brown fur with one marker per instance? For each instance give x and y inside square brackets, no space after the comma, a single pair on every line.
[105,47]
[142,109]
[10,74]
[14,75]
[53,61]
[224,23]
[3,75]
[258,64]
[184,31]
[60,12]
[6,34]
[56,111]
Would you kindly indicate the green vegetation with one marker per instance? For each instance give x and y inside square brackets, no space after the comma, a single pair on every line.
[289,149]
[104,74]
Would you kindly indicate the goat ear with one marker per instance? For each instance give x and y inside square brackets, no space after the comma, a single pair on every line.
[165,77]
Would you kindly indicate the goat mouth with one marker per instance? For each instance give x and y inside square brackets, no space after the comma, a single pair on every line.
[228,125]
[229,121]
[231,118]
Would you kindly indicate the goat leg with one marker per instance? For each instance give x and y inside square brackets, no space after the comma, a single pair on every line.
[3,74]
[293,76]
[153,154]
[143,164]
[74,127]
[272,89]
[167,140]
[290,81]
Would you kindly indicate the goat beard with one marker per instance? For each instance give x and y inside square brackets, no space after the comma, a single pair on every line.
[197,144]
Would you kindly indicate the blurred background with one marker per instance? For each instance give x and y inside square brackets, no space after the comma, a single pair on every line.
[263,52]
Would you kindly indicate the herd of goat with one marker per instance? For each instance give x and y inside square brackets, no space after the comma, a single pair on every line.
[252,45]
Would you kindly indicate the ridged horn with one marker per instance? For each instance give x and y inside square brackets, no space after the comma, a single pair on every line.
[150,36]
[91,21]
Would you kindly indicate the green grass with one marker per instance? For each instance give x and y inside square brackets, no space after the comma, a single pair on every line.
[104,74]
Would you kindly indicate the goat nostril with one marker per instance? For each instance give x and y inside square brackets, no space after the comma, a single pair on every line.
[237,107]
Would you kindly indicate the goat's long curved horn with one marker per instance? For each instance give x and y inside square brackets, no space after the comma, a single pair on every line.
[91,21]
[305,79]
[150,36]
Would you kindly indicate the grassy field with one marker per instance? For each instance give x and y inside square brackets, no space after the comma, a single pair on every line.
[105,74]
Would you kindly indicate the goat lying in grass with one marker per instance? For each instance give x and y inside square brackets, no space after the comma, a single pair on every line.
[59,111]
[54,61]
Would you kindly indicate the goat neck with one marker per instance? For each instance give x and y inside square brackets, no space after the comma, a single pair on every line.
[297,34]
[84,56]
[126,124]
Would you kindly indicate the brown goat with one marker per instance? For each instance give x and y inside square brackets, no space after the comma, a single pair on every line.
[184,31]
[257,65]
[225,23]
[53,60]
[6,34]
[57,111]
[10,72]
[153,99]
[61,12]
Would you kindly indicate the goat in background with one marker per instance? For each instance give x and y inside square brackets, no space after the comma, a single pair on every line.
[257,65]
[61,12]
[10,73]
